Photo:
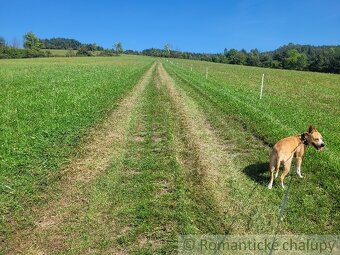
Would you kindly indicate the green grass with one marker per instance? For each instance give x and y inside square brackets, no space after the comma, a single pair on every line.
[292,99]
[149,188]
[147,198]
[195,162]
[59,53]
[142,197]
[63,53]
[46,107]
[285,110]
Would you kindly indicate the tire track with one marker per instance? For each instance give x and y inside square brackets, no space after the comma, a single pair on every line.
[250,209]
[201,155]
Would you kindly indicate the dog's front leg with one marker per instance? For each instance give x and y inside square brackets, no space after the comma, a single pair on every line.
[298,166]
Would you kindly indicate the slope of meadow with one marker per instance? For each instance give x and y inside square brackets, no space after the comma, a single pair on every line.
[46,107]
[292,100]
[153,151]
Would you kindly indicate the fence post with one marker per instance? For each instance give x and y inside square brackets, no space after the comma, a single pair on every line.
[261,91]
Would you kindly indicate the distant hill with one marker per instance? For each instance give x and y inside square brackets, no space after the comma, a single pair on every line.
[60,43]
[291,56]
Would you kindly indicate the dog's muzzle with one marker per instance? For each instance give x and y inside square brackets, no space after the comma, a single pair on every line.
[319,147]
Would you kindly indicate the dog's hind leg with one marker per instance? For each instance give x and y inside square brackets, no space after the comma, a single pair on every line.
[272,165]
[286,169]
[270,185]
[298,166]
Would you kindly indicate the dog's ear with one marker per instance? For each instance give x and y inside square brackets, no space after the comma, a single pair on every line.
[311,129]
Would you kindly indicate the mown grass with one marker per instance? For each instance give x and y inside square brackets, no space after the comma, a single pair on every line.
[159,187]
[139,204]
[147,198]
[313,206]
[157,197]
[151,190]
[292,100]
[46,107]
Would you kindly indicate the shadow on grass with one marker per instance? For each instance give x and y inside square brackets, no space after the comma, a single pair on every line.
[258,172]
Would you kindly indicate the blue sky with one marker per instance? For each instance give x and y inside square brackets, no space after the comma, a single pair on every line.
[198,26]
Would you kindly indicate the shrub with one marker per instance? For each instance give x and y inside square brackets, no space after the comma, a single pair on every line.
[83,52]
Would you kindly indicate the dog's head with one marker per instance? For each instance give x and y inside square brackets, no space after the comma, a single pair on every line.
[314,138]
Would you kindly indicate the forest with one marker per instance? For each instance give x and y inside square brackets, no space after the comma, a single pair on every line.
[291,56]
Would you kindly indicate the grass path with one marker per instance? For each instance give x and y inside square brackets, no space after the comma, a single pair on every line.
[167,162]
[223,149]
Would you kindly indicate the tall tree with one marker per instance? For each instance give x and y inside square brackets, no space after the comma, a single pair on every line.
[334,60]
[253,58]
[237,57]
[118,48]
[295,60]
[31,41]
[167,49]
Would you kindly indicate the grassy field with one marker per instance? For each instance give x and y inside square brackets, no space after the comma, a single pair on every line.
[120,156]
[59,53]
[46,107]
[291,101]
[63,53]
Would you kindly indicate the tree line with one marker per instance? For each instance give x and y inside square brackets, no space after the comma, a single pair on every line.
[36,47]
[291,56]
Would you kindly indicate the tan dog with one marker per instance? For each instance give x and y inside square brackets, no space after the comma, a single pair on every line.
[289,147]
